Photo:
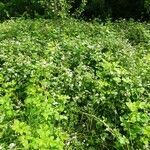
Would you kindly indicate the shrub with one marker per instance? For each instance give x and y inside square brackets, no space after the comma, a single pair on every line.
[87,9]
[115,9]
[67,84]
[34,8]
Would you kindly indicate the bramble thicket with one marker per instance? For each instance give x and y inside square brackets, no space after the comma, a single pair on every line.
[74,75]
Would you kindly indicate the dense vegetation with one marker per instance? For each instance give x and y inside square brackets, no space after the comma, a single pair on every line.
[71,84]
[68,84]
[103,9]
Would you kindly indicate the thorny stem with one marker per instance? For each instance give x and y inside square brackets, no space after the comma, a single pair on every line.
[99,120]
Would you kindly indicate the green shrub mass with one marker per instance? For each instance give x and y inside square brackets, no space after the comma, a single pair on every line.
[68,84]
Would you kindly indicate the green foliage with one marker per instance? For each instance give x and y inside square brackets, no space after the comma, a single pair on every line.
[66,84]
[136,124]
[34,8]
[147,6]
[115,9]
[89,9]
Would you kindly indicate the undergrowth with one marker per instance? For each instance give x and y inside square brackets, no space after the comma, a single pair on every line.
[69,84]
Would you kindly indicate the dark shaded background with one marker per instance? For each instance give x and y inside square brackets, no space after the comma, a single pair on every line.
[102,9]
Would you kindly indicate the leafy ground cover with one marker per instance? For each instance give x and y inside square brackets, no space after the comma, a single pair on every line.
[69,84]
